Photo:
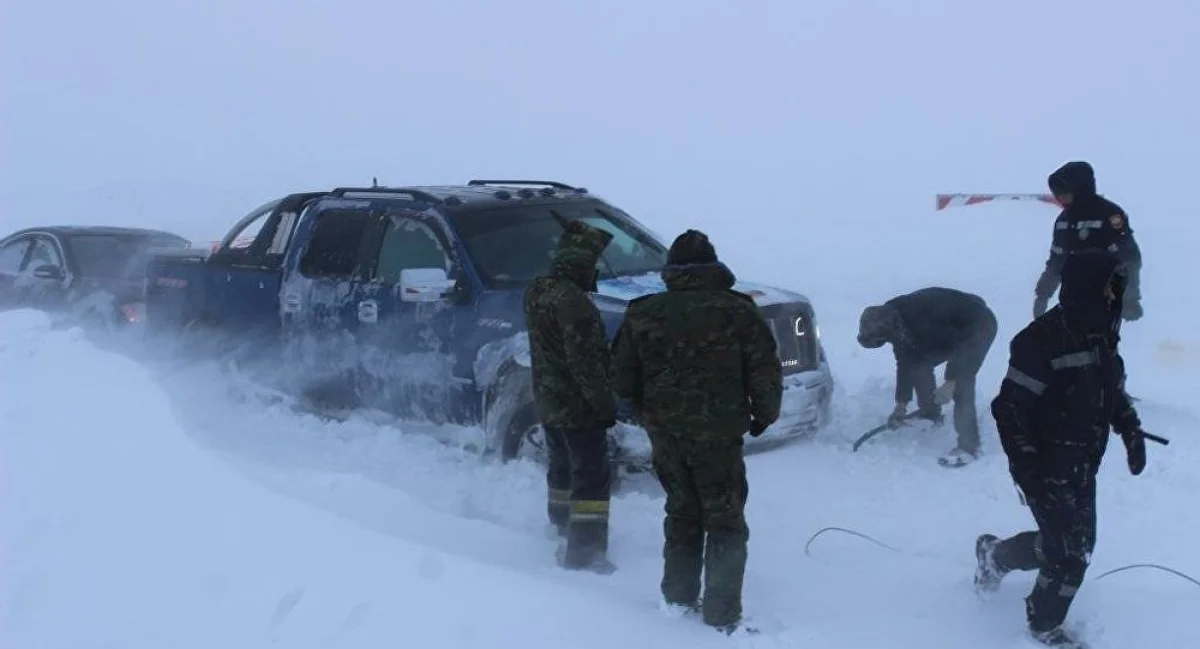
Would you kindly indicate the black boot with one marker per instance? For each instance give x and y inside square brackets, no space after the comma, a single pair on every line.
[1045,609]
[1058,639]
[572,559]
[587,538]
[987,574]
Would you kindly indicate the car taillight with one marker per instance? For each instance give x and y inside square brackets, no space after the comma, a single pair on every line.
[134,311]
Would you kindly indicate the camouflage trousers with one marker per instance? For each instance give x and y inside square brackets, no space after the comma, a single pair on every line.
[1060,549]
[705,528]
[578,490]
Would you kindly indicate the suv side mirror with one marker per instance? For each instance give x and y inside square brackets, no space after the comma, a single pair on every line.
[48,271]
[425,284]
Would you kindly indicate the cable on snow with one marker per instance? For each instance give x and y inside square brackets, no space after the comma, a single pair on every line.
[875,541]
[843,530]
[1155,566]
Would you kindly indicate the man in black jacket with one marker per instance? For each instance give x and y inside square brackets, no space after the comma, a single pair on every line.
[1088,221]
[926,328]
[1064,391]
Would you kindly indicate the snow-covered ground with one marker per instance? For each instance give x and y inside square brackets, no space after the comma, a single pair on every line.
[147,506]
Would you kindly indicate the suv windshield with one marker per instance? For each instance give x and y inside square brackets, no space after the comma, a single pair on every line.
[117,256]
[513,245]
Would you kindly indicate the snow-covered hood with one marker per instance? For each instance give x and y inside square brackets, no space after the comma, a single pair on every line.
[634,286]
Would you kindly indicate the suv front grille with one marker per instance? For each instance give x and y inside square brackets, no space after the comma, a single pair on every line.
[795,336]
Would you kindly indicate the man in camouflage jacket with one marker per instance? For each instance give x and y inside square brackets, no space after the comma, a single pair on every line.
[573,394]
[699,367]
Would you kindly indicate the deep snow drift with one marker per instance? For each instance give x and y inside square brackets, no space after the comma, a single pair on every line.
[120,532]
[146,508]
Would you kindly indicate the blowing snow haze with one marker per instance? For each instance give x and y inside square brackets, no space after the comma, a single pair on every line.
[791,115]
[807,139]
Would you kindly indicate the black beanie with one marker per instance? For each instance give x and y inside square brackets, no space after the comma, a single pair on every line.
[691,247]
[878,325]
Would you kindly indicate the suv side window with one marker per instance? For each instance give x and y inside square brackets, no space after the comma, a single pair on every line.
[44,252]
[11,256]
[336,241]
[283,233]
[409,243]
[235,248]
[244,237]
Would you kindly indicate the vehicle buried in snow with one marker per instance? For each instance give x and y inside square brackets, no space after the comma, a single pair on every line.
[92,276]
[408,301]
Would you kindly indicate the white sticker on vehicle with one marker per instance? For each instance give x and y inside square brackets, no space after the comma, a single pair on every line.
[291,303]
[495,323]
[368,311]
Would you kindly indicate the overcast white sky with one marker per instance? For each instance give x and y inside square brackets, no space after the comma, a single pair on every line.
[789,112]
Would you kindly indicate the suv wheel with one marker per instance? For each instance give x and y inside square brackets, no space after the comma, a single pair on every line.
[509,417]
[524,437]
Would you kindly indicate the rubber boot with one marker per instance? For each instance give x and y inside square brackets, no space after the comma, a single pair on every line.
[987,574]
[587,538]
[1057,638]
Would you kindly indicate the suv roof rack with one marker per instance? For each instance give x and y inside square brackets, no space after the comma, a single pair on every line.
[546,183]
[416,194]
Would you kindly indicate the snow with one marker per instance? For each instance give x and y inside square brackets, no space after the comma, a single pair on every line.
[152,504]
[149,503]
[121,531]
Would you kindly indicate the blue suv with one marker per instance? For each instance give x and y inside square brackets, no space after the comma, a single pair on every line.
[408,300]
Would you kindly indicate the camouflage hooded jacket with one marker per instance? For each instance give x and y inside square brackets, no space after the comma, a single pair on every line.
[699,359]
[567,347]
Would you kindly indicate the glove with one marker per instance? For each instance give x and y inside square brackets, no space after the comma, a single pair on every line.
[896,419]
[1131,310]
[1135,451]
[757,427]
[1040,304]
[944,394]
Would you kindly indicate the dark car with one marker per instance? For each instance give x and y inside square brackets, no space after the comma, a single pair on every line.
[89,275]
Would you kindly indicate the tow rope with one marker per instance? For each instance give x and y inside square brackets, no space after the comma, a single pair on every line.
[875,541]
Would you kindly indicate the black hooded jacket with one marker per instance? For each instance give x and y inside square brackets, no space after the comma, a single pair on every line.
[1065,387]
[926,328]
[1090,222]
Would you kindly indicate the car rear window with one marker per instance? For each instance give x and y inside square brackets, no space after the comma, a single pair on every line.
[116,256]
